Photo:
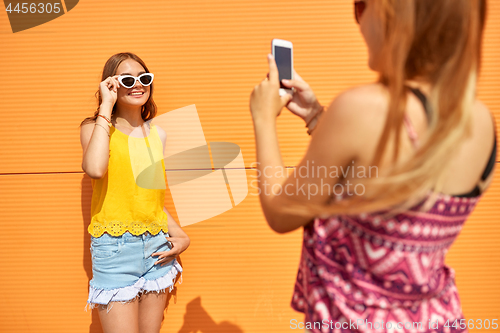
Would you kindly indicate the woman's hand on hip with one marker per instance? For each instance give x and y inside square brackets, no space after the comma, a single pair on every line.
[178,245]
[304,102]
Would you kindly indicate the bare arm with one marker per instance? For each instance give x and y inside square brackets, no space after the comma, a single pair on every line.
[95,144]
[179,239]
[94,137]
[335,142]
[174,230]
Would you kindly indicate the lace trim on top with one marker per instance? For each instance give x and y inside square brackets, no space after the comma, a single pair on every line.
[119,227]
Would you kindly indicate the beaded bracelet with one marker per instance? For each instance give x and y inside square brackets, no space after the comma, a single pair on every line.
[106,118]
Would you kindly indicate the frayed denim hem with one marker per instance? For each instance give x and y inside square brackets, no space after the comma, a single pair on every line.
[101,297]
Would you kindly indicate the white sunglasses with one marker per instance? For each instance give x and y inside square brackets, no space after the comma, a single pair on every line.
[128,81]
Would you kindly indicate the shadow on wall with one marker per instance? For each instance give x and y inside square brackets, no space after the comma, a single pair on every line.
[197,319]
[86,200]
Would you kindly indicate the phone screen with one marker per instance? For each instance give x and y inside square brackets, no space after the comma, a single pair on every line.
[283,57]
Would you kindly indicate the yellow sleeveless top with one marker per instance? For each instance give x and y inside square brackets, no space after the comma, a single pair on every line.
[119,204]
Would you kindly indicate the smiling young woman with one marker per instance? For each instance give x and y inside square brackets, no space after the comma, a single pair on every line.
[134,239]
[377,255]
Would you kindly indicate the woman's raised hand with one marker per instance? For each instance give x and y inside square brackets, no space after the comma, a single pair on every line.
[109,88]
[304,102]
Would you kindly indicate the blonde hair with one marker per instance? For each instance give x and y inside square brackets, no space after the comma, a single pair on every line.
[439,41]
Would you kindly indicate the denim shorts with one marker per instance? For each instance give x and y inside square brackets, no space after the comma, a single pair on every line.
[123,268]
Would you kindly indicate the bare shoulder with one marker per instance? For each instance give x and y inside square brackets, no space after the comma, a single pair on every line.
[361,109]
[353,121]
[483,114]
[484,137]
[362,104]
[367,93]
[483,124]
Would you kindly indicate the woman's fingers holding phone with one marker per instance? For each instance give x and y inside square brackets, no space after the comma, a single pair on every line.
[297,110]
[304,100]
[265,102]
[298,83]
[297,76]
[273,69]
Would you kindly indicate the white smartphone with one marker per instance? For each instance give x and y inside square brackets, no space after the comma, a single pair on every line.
[283,54]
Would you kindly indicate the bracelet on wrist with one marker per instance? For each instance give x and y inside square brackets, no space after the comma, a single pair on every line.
[316,116]
[105,118]
[317,113]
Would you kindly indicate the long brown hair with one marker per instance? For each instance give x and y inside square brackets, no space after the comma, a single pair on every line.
[148,110]
[439,42]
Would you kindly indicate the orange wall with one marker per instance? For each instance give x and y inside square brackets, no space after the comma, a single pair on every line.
[211,54]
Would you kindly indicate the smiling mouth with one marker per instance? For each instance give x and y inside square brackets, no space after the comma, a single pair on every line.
[138,93]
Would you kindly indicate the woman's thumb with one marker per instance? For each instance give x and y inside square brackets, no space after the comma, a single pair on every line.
[297,84]
[287,83]
[286,99]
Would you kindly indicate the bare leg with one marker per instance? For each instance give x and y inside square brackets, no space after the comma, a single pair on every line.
[121,318]
[151,309]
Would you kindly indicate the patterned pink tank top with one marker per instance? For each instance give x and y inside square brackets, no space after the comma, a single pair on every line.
[378,272]
[365,273]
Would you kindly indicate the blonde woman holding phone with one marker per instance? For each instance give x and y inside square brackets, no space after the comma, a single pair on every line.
[373,260]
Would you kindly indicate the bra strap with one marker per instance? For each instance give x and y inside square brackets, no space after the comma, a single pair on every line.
[414,139]
[423,99]
[412,133]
